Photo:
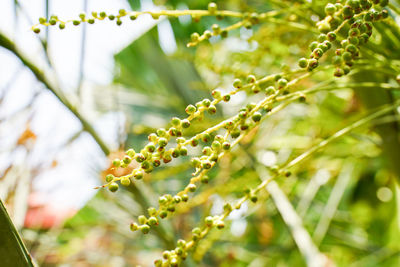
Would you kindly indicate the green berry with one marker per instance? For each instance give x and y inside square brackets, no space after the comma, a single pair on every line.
[176,121]
[139,174]
[251,78]
[185,198]
[226,145]
[220,225]
[36,30]
[145,229]
[303,63]
[256,116]
[312,64]
[111,17]
[61,26]
[212,109]
[133,227]
[330,9]
[194,142]
[183,151]
[192,187]
[103,14]
[209,221]
[224,33]
[331,36]
[127,159]
[113,187]
[204,179]
[194,37]
[42,20]
[206,137]
[237,83]
[351,48]
[207,151]
[313,45]
[196,162]
[216,146]
[125,181]
[109,178]
[212,7]
[207,34]
[52,22]
[206,102]
[226,98]
[190,109]
[338,72]
[215,28]
[206,164]
[317,53]
[282,83]
[322,37]
[132,17]
[153,220]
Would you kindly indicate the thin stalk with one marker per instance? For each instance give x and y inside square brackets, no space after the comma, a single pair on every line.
[9,45]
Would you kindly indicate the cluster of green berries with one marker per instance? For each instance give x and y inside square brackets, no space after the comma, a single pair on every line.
[359,15]
[214,146]
[179,254]
[145,223]
[249,19]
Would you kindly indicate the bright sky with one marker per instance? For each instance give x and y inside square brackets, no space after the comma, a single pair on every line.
[71,183]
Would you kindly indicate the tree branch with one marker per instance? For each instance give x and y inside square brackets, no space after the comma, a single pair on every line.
[10,46]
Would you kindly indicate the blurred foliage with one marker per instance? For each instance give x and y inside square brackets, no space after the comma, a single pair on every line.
[364,229]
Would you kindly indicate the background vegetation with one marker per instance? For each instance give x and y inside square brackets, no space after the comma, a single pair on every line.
[339,207]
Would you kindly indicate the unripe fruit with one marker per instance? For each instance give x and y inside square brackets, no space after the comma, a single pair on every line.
[282,83]
[183,151]
[256,116]
[237,83]
[212,109]
[212,7]
[139,174]
[330,9]
[226,145]
[196,162]
[116,163]
[209,221]
[206,137]
[226,98]
[145,229]
[153,220]
[331,36]
[303,63]
[192,187]
[220,225]
[204,179]
[125,181]
[313,45]
[253,198]
[109,178]
[113,187]
[206,164]
[185,197]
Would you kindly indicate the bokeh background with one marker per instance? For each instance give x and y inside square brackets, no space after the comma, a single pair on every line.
[129,80]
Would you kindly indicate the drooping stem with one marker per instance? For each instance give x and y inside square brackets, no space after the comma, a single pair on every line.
[9,45]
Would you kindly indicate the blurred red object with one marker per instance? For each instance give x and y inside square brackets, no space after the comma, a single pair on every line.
[44,215]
